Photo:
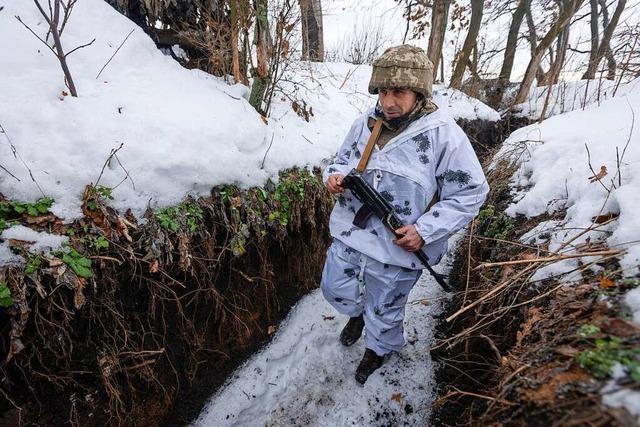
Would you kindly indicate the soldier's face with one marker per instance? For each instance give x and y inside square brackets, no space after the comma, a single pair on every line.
[396,102]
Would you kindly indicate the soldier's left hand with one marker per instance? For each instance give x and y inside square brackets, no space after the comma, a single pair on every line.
[410,240]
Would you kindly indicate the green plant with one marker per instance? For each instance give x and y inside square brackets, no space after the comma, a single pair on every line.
[11,208]
[606,353]
[80,264]
[289,190]
[5,296]
[105,192]
[494,225]
[33,263]
[587,330]
[184,215]
[4,224]
[98,243]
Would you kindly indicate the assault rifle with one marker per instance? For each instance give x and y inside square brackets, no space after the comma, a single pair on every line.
[374,204]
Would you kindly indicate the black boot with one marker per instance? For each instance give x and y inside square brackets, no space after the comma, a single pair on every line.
[369,363]
[352,330]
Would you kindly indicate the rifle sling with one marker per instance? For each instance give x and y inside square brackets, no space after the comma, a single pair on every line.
[375,134]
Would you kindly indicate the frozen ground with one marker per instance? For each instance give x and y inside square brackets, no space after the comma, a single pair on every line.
[305,376]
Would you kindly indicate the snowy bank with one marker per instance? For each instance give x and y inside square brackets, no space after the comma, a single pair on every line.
[583,169]
[183,131]
[569,162]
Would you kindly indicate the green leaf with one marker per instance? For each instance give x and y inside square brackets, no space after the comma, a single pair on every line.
[5,296]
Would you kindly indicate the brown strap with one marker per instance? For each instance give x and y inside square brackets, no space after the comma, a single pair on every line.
[375,133]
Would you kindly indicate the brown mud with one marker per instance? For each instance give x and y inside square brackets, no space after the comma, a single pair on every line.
[513,358]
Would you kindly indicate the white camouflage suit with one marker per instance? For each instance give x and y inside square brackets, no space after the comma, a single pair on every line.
[365,271]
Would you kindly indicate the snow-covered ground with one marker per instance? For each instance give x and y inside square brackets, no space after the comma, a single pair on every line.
[567,96]
[183,131]
[584,166]
[305,377]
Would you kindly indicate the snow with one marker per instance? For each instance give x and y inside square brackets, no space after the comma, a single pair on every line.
[617,396]
[183,131]
[632,299]
[553,174]
[552,178]
[38,242]
[566,96]
[306,377]
[462,106]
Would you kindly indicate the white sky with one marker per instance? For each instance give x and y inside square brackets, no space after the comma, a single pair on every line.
[343,18]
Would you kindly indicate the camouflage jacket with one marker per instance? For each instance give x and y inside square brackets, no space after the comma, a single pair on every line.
[431,155]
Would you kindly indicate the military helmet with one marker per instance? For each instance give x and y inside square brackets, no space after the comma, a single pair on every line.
[403,66]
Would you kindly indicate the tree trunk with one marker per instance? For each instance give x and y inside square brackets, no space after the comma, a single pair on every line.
[595,41]
[312,34]
[495,98]
[604,46]
[533,40]
[261,40]
[563,19]
[477,7]
[439,17]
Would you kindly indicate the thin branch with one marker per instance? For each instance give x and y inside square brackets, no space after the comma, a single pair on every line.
[37,36]
[114,53]
[79,47]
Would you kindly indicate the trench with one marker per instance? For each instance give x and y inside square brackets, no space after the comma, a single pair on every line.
[169,313]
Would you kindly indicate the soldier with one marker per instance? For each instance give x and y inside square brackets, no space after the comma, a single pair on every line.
[421,156]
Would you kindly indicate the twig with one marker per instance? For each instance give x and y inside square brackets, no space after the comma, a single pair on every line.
[79,47]
[7,171]
[113,152]
[267,152]
[481,396]
[17,155]
[595,175]
[550,259]
[492,292]
[37,36]
[114,54]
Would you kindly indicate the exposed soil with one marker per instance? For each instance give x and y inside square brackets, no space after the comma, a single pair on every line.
[512,359]
[170,309]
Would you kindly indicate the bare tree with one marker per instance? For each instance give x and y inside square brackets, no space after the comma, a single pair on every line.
[477,8]
[56,27]
[604,47]
[509,53]
[261,40]
[312,34]
[564,17]
[439,18]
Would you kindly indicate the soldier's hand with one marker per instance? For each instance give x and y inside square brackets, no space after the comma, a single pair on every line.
[410,240]
[334,184]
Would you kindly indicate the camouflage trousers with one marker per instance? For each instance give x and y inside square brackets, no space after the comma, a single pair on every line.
[354,283]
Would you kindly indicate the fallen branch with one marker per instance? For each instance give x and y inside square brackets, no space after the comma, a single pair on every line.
[114,54]
[550,259]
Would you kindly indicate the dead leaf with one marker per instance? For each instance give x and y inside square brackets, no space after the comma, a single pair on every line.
[78,298]
[397,397]
[328,317]
[546,393]
[425,302]
[601,219]
[607,283]
[599,175]
[22,244]
[620,328]
[533,316]
[155,266]
[55,262]
[271,329]
[566,350]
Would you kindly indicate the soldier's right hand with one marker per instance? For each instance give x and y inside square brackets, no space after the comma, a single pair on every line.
[334,184]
